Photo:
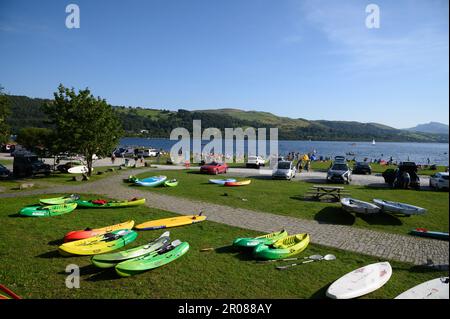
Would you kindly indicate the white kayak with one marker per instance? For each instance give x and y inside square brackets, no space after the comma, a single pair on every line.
[399,208]
[352,205]
[432,289]
[222,181]
[361,281]
[79,169]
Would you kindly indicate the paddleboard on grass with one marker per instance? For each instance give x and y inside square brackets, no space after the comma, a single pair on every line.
[170,222]
[79,169]
[361,281]
[437,288]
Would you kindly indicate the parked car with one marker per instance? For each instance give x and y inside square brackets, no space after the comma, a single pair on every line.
[4,172]
[406,176]
[339,172]
[439,181]
[284,170]
[362,168]
[29,165]
[63,168]
[214,168]
[148,152]
[255,161]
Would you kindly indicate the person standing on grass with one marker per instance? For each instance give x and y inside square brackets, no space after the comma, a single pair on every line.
[113,158]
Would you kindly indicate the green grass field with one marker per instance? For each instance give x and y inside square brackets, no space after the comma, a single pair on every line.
[286,198]
[6,162]
[32,267]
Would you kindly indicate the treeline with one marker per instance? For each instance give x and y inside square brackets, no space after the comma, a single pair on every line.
[27,112]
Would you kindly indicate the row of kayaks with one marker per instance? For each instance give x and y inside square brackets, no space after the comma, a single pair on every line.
[153,181]
[277,245]
[359,282]
[62,205]
[352,205]
[129,262]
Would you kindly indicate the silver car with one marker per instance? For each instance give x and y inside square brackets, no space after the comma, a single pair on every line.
[284,170]
[339,172]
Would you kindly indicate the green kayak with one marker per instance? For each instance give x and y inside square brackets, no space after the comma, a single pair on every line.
[152,260]
[46,211]
[132,179]
[102,203]
[283,248]
[171,183]
[268,239]
[112,259]
[59,200]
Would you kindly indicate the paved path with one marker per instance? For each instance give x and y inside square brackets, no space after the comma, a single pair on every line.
[411,249]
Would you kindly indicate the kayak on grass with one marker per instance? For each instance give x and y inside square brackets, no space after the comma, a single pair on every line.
[267,239]
[151,181]
[6,293]
[432,289]
[283,248]
[423,232]
[47,211]
[88,232]
[240,183]
[352,205]
[171,183]
[103,203]
[99,244]
[59,200]
[222,181]
[112,259]
[152,260]
[399,208]
[171,222]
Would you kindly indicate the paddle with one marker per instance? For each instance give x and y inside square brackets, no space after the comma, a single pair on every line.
[327,257]
[313,257]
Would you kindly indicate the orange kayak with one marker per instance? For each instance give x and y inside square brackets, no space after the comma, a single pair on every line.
[87,233]
[240,183]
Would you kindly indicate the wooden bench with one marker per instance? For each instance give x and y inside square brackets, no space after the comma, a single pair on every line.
[334,193]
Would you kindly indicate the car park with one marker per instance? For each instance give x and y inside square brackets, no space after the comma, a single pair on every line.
[439,180]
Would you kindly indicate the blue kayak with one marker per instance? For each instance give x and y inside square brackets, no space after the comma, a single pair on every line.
[222,181]
[151,181]
[423,232]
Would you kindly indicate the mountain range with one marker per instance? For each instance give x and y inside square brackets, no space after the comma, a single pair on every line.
[158,123]
[432,127]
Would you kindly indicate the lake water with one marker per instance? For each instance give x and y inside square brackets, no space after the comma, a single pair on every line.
[417,152]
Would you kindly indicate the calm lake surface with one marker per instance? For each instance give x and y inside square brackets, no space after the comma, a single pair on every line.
[417,152]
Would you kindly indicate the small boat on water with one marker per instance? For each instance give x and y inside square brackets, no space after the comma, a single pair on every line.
[373,142]
[399,208]
[352,205]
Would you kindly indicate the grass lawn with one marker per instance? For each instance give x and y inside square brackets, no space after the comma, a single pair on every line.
[376,168]
[6,162]
[286,198]
[32,267]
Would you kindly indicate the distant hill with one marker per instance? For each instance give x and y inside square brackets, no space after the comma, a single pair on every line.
[432,127]
[159,123]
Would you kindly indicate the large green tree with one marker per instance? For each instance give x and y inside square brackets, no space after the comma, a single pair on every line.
[83,124]
[4,113]
[36,139]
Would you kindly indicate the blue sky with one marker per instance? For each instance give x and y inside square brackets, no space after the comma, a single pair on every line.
[312,59]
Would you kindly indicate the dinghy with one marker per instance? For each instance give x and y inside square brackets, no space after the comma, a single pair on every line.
[399,208]
[151,181]
[357,206]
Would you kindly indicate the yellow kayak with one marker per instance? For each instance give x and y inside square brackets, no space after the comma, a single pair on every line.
[99,244]
[88,232]
[171,222]
[283,248]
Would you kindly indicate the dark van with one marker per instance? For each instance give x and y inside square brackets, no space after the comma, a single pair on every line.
[29,165]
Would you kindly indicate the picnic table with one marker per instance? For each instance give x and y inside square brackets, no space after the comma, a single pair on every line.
[335,193]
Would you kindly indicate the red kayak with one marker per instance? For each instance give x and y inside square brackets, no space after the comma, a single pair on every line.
[88,232]
[5,293]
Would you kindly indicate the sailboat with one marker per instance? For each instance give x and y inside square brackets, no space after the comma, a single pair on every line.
[373,142]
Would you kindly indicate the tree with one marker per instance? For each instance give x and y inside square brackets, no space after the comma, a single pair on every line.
[36,139]
[4,113]
[83,124]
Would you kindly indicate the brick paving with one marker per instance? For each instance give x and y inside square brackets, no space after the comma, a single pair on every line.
[415,250]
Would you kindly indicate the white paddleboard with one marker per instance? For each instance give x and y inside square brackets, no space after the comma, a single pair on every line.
[78,169]
[361,281]
[433,289]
